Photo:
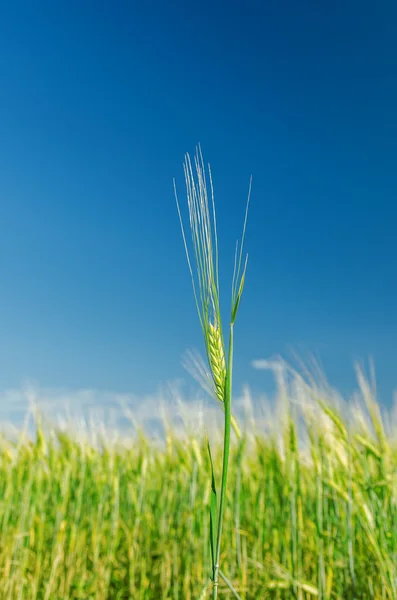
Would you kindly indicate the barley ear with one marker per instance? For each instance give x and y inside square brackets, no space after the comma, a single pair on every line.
[216,356]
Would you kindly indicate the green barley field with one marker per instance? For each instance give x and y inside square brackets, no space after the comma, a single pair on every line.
[311,506]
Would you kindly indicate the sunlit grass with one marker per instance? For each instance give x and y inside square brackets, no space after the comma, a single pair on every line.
[310,510]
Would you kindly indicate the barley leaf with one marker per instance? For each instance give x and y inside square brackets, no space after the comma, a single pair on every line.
[213,511]
[229,585]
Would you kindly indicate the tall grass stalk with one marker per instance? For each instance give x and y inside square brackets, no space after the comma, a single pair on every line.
[205,282]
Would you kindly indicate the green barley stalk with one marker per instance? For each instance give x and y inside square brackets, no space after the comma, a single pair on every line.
[206,294]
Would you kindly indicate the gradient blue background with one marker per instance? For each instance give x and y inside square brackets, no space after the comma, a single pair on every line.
[99,102]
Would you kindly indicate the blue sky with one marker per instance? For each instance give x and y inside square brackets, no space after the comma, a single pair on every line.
[99,101]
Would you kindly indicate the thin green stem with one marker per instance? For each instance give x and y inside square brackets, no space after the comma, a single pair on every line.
[226,451]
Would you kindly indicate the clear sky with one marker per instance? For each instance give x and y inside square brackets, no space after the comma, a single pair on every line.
[99,101]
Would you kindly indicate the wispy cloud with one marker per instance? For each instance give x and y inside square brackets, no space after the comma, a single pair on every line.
[178,406]
[184,410]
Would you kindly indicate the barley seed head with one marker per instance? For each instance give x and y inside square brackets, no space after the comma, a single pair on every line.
[216,357]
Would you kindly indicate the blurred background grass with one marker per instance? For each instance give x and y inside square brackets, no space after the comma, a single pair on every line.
[311,509]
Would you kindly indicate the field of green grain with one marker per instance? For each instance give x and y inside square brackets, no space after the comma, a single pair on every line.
[311,509]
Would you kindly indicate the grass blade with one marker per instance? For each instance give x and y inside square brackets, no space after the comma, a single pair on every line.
[213,511]
[229,585]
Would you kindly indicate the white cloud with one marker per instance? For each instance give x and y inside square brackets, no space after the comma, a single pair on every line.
[260,364]
[90,412]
